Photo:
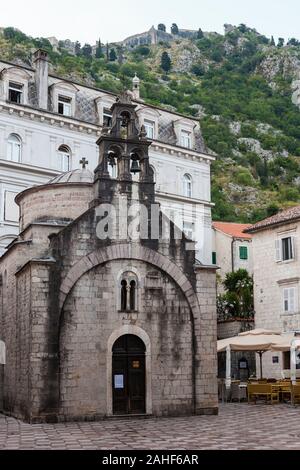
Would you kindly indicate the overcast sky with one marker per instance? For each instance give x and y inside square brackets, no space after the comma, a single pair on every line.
[113,20]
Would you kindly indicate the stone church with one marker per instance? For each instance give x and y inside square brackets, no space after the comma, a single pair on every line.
[101,324]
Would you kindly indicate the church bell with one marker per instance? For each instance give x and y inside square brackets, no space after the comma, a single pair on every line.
[135,166]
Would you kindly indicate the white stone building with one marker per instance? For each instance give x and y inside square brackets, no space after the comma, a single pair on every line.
[232,248]
[48,124]
[276,251]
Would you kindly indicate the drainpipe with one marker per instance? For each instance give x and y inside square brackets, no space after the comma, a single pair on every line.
[232,255]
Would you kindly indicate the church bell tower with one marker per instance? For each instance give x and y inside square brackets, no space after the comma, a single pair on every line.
[125,148]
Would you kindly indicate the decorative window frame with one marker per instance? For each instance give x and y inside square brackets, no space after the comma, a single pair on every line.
[186,126]
[21,142]
[152,115]
[129,273]
[14,74]
[287,289]
[184,185]
[103,102]
[279,249]
[69,154]
[64,89]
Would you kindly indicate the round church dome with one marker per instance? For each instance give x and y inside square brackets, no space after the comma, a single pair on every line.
[61,200]
[75,176]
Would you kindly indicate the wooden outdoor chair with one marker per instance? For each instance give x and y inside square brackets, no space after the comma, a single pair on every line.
[296,394]
[267,391]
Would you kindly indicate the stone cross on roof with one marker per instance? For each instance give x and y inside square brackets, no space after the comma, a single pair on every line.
[84,162]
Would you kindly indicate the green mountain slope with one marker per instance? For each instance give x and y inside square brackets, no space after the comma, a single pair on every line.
[243,89]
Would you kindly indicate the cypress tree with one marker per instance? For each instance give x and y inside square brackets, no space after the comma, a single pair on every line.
[166,63]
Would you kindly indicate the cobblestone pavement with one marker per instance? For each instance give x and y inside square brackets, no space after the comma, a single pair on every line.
[238,426]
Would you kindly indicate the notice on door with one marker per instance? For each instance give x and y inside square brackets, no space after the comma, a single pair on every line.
[119,381]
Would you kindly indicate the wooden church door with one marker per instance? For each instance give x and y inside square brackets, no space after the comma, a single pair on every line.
[128,380]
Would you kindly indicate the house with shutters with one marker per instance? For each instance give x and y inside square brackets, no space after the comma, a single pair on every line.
[276,269]
[232,248]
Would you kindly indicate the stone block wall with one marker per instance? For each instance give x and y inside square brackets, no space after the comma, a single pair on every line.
[90,317]
[206,342]
[54,202]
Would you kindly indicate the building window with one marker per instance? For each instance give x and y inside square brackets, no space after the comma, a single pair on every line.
[186,140]
[290,300]
[11,209]
[150,129]
[14,146]
[64,105]
[285,250]
[128,292]
[64,156]
[243,252]
[214,257]
[287,360]
[15,92]
[188,230]
[107,118]
[187,186]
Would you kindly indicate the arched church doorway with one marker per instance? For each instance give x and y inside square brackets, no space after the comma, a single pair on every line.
[128,375]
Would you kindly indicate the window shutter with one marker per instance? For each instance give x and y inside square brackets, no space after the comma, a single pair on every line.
[295,289]
[278,250]
[293,243]
[285,300]
[292,292]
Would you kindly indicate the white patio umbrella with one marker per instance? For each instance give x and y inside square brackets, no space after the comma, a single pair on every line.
[259,340]
[2,353]
[291,343]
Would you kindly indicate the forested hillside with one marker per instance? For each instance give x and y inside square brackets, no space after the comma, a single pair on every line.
[242,86]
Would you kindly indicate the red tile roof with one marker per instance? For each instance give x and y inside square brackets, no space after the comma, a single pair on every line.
[282,217]
[232,229]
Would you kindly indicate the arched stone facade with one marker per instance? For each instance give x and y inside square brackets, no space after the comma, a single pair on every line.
[90,326]
[128,251]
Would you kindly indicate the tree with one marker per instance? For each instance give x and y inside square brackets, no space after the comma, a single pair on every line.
[77,48]
[237,302]
[272,42]
[242,28]
[112,55]
[107,51]
[87,50]
[293,42]
[280,42]
[198,70]
[99,52]
[174,29]
[200,34]
[272,209]
[166,63]
[14,34]
[162,27]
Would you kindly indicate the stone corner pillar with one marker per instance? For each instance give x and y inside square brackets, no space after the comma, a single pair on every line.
[206,342]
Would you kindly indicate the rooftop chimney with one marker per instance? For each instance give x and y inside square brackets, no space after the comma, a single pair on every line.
[41,77]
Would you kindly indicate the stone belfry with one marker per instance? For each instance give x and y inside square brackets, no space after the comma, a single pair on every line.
[126,147]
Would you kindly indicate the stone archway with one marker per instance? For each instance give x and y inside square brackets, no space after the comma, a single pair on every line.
[129,251]
[140,333]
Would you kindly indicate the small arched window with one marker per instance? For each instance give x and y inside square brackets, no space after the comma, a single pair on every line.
[187,185]
[112,165]
[132,295]
[64,157]
[14,147]
[128,293]
[124,295]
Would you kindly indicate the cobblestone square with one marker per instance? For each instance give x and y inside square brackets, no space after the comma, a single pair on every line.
[238,426]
